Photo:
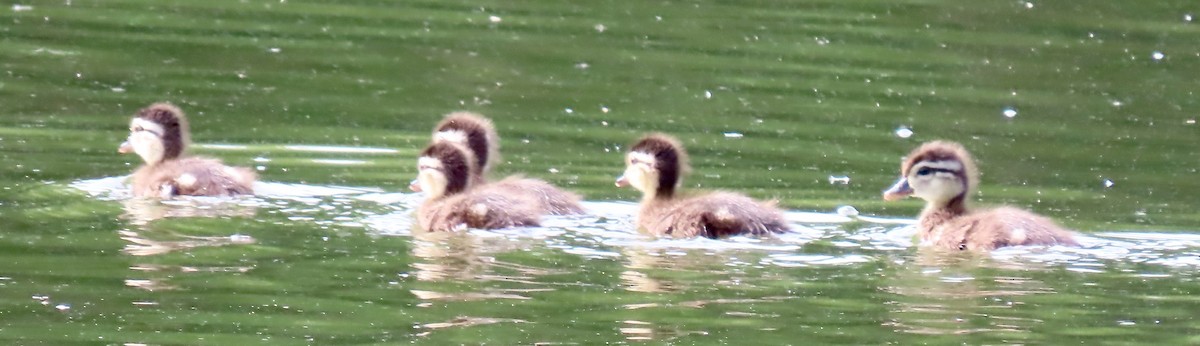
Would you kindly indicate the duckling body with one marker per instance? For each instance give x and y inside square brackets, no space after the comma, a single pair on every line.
[159,135]
[445,174]
[478,135]
[943,174]
[655,166]
[192,176]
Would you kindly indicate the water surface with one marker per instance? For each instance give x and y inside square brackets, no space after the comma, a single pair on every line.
[1085,112]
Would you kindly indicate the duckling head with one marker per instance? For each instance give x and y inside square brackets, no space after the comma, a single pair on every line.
[940,172]
[655,165]
[157,133]
[473,131]
[443,169]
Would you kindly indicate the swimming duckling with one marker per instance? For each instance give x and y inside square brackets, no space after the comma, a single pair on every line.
[445,175]
[479,135]
[159,134]
[655,165]
[943,174]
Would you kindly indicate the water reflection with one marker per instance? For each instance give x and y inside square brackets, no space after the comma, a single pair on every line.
[941,293]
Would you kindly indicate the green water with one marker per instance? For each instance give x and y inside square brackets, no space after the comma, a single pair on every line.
[772,98]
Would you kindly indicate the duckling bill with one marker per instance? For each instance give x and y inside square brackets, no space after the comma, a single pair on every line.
[159,134]
[656,164]
[944,175]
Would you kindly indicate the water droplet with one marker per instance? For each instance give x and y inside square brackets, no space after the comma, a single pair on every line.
[1010,112]
[63,307]
[494,19]
[904,132]
[707,94]
[847,211]
[1108,183]
[274,50]
[569,111]
[1187,17]
[839,180]
[582,66]
[1157,55]
[1190,121]
[600,28]
[604,123]
[603,109]
[1028,4]
[1117,103]
[733,135]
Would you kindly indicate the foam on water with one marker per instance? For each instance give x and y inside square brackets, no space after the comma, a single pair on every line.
[607,229]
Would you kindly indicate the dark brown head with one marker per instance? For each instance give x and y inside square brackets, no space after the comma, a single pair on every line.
[655,165]
[444,169]
[939,172]
[157,133]
[473,131]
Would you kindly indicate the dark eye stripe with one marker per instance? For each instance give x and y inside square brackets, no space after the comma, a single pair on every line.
[929,170]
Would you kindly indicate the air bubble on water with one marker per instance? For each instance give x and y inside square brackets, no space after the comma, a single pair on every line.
[600,28]
[1117,103]
[1028,4]
[603,123]
[847,211]
[494,19]
[569,111]
[21,8]
[839,180]
[1157,55]
[733,135]
[1010,112]
[707,94]
[117,89]
[553,170]
[63,307]
[904,132]
[260,168]
[603,109]
[274,50]
[1108,183]
[582,65]
[1190,121]
[1186,17]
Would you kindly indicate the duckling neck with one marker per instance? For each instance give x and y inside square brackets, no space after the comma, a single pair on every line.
[936,214]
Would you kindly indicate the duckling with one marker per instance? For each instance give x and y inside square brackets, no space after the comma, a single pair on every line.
[655,165]
[479,135]
[159,134]
[944,175]
[445,175]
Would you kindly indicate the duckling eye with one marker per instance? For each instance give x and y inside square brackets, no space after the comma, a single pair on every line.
[962,246]
[924,171]
[137,129]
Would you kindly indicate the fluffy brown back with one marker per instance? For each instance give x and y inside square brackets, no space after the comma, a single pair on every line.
[714,215]
[477,209]
[996,228]
[207,177]
[550,199]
